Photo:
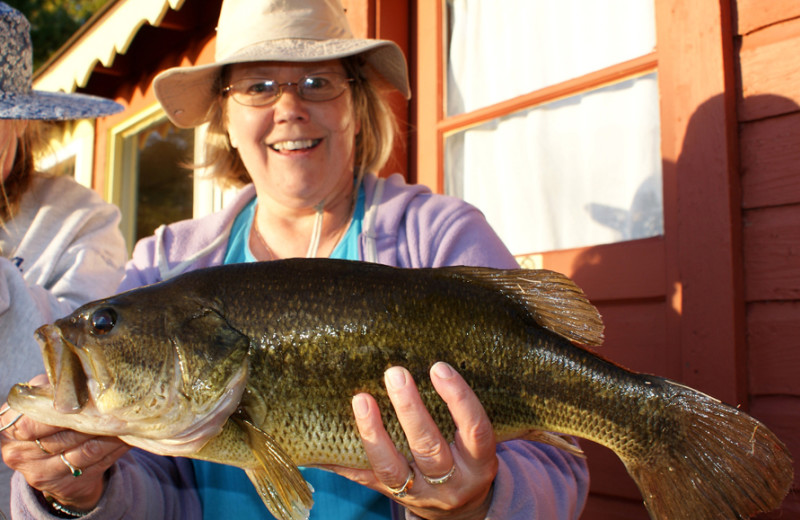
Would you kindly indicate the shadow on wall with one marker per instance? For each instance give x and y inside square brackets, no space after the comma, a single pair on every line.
[713,205]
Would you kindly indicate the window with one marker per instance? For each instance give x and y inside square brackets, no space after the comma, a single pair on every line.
[165,190]
[551,119]
[149,180]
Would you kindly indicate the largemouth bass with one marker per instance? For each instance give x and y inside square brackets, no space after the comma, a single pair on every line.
[255,365]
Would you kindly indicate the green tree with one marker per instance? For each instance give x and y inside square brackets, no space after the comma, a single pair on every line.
[53,22]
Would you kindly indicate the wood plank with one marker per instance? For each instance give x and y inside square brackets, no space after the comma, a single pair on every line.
[755,14]
[770,161]
[635,337]
[427,103]
[773,329]
[622,271]
[772,253]
[600,507]
[770,71]
[702,201]
[392,22]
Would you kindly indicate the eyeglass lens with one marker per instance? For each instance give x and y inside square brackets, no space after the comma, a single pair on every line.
[314,87]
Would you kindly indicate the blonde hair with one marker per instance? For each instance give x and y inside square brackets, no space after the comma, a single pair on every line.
[373,146]
[32,140]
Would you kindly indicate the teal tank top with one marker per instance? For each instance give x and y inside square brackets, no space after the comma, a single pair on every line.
[226,491]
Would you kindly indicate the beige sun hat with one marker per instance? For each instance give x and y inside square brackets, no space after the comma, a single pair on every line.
[273,30]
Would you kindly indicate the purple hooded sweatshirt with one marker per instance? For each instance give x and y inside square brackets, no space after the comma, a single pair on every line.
[404,226]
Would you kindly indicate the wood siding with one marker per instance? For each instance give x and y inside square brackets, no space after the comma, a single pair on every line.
[768,42]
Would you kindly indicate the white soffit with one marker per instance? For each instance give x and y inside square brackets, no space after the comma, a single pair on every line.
[100,41]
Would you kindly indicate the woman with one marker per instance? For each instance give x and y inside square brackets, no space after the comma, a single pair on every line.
[294,112]
[60,244]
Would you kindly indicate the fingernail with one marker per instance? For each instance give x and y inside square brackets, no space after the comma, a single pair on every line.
[395,377]
[443,370]
[360,406]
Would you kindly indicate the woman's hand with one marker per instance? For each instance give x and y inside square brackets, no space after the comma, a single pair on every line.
[445,480]
[66,465]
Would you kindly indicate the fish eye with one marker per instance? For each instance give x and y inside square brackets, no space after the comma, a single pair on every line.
[103,320]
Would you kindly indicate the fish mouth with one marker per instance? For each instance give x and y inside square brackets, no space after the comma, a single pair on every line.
[296,145]
[64,369]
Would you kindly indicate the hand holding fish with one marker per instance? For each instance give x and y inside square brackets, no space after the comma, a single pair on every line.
[51,458]
[445,480]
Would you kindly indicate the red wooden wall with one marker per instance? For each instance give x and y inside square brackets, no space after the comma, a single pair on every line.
[768,38]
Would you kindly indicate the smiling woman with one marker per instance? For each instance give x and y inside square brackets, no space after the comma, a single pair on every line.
[301,121]
[299,153]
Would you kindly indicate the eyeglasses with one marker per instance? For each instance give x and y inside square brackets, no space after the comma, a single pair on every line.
[258,92]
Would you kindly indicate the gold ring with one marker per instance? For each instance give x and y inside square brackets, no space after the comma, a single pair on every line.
[76,472]
[435,481]
[403,490]
[39,443]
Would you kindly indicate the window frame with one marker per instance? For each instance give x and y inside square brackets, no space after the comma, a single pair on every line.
[694,60]
[121,182]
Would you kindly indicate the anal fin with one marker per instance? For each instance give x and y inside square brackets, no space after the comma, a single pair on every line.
[559,441]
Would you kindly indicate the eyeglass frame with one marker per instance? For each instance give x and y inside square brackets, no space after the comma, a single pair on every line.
[228,91]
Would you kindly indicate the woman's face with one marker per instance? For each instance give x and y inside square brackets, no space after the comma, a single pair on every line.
[300,151]
[10,130]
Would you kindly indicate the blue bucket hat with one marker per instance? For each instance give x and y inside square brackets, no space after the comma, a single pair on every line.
[18,100]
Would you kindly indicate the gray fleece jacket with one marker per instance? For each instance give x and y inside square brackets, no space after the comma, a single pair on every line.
[62,249]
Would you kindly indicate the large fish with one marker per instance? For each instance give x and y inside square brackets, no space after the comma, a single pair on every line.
[255,365]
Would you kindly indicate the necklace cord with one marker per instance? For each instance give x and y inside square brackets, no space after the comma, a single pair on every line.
[316,233]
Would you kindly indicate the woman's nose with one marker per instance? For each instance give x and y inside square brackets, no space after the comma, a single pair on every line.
[290,106]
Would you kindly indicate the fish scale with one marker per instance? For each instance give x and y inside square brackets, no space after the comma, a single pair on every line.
[269,356]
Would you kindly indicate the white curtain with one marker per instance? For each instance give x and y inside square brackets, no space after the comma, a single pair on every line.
[576,172]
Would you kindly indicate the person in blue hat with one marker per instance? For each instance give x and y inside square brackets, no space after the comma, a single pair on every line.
[60,243]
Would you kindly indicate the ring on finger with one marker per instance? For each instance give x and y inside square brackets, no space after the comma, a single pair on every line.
[403,490]
[39,443]
[9,425]
[76,472]
[435,481]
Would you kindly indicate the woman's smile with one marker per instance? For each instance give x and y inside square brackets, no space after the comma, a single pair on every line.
[295,145]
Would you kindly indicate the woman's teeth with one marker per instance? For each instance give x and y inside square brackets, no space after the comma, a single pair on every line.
[290,146]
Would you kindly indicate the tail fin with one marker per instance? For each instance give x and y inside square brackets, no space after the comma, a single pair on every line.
[726,465]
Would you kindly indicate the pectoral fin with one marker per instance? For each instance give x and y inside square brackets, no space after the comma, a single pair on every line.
[271,470]
[277,479]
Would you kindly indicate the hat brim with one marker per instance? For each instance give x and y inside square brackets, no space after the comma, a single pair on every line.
[56,106]
[187,93]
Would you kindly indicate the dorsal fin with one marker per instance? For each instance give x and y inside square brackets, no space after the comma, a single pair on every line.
[553,300]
